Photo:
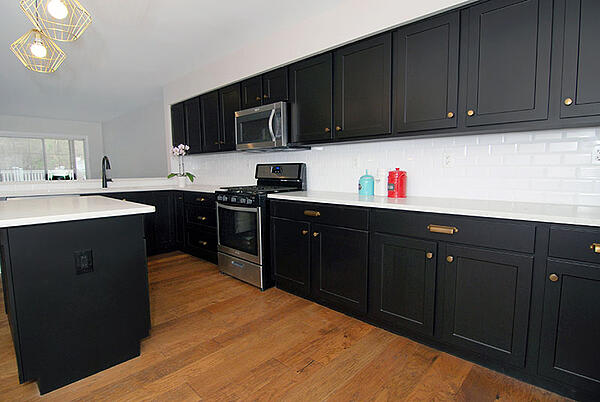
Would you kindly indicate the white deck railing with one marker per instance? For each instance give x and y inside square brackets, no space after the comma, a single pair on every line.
[17,174]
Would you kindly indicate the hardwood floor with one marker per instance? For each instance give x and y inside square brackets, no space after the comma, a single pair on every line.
[215,338]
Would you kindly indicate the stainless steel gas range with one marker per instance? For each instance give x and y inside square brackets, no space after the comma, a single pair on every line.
[243,222]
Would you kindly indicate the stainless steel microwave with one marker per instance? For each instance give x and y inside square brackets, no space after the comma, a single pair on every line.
[262,128]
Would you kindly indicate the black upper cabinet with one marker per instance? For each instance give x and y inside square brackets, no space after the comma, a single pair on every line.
[402,275]
[193,127]
[486,302]
[508,61]
[569,347]
[230,101]
[339,261]
[252,92]
[209,106]
[426,74]
[178,132]
[291,254]
[581,59]
[362,88]
[311,99]
[275,86]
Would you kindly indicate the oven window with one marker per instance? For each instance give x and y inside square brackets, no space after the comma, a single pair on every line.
[238,230]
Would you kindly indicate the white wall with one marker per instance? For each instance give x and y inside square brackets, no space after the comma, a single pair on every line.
[550,166]
[135,143]
[92,132]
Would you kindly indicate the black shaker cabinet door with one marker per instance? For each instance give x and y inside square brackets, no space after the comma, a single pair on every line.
[193,125]
[402,281]
[570,346]
[275,86]
[211,131]
[178,124]
[426,74]
[291,255]
[362,88]
[339,260]
[486,302]
[164,220]
[581,59]
[508,61]
[252,92]
[311,92]
[230,101]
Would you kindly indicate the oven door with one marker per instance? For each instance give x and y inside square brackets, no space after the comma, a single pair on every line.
[261,127]
[239,232]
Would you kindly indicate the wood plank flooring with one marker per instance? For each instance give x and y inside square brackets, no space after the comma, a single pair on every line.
[215,338]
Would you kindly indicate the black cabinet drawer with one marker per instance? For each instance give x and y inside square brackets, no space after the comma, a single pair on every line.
[201,239]
[578,244]
[350,217]
[482,232]
[206,200]
[200,216]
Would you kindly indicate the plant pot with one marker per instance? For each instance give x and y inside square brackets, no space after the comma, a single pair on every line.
[181,181]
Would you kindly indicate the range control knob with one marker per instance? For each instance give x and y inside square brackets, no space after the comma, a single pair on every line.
[242,200]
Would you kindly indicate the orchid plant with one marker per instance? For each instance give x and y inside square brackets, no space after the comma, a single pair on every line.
[180,151]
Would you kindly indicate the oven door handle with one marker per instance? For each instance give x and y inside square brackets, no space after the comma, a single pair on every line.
[271,131]
[242,209]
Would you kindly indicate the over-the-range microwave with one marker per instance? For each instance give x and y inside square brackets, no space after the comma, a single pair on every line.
[262,128]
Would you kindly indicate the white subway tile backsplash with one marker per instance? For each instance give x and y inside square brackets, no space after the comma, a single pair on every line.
[551,166]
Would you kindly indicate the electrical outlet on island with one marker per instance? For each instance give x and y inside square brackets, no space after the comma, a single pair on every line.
[596,155]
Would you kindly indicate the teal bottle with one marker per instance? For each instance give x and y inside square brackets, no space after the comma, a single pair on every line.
[366,184]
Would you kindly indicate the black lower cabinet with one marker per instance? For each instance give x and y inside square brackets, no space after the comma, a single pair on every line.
[164,221]
[486,302]
[402,282]
[570,342]
[291,254]
[179,220]
[339,261]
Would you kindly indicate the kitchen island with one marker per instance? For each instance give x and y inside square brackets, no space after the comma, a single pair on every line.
[75,285]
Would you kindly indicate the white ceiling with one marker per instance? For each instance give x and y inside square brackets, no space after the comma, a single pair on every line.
[132,49]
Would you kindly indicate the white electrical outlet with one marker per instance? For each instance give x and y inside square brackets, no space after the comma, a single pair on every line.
[448,160]
[596,155]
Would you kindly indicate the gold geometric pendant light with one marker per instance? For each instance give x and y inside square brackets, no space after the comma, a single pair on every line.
[38,52]
[62,20]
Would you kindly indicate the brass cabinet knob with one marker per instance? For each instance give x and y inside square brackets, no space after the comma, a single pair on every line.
[450,115]
[222,142]
[203,243]
[449,258]
[327,129]
[568,101]
[217,142]
[315,234]
[553,277]
[202,218]
[429,255]
[338,128]
[304,232]
[266,96]
[258,98]
[201,199]
[595,247]
[470,112]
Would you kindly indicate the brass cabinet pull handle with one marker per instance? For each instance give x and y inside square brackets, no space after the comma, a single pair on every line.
[449,230]
[429,255]
[201,199]
[449,258]
[568,101]
[266,96]
[315,234]
[327,129]
[308,212]
[258,98]
[470,112]
[203,243]
[450,115]
[217,142]
[338,128]
[304,232]
[595,247]
[202,218]
[553,277]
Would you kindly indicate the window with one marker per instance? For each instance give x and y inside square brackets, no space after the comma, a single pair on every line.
[39,159]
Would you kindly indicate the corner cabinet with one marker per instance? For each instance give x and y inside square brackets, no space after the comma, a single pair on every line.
[426,74]
[508,61]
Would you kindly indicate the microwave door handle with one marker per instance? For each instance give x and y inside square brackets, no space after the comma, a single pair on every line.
[271,125]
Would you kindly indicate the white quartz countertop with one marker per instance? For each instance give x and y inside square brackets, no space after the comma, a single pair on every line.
[33,211]
[528,211]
